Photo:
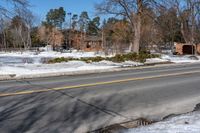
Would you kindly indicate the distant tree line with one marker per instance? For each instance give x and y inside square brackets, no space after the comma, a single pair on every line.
[133,25]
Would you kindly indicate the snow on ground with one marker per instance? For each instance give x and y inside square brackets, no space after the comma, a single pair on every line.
[123,64]
[187,123]
[71,66]
[156,60]
[34,69]
[30,63]
[34,57]
[179,59]
[54,54]
[174,59]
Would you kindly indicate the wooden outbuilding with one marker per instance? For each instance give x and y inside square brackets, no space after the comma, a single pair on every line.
[186,49]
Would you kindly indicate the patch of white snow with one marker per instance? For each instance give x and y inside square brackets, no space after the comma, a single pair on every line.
[187,123]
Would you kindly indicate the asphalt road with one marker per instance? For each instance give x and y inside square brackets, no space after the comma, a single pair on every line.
[83,103]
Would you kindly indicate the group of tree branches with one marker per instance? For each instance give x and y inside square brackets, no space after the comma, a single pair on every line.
[16,25]
[17,30]
[155,22]
[132,24]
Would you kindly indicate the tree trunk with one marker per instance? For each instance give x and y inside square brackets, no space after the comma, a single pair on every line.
[4,40]
[193,30]
[137,36]
[29,42]
[130,47]
[185,32]
[137,26]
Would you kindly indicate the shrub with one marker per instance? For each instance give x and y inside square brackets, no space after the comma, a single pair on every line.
[130,56]
[59,60]
[92,59]
[85,59]
[141,57]
[97,59]
[56,60]
[117,58]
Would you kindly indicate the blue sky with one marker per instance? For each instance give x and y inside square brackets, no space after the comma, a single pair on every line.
[41,7]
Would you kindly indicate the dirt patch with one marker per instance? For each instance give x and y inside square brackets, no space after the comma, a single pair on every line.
[122,127]
[197,107]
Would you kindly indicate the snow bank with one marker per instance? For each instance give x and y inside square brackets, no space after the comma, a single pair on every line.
[30,63]
[123,64]
[54,54]
[174,59]
[71,66]
[34,57]
[34,69]
[156,60]
[179,59]
[187,123]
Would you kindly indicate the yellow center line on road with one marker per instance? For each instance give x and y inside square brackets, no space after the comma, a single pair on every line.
[94,84]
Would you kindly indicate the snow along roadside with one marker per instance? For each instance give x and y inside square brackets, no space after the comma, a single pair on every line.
[186,123]
[22,71]
[12,76]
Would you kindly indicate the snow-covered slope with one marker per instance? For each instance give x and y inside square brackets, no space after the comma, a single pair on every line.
[71,66]
[187,123]
[30,63]
[179,59]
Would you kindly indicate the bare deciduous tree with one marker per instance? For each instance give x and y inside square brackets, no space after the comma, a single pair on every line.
[6,14]
[188,11]
[132,10]
[28,19]
[15,4]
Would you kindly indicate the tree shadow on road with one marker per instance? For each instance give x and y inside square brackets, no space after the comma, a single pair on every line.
[54,112]
[70,110]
